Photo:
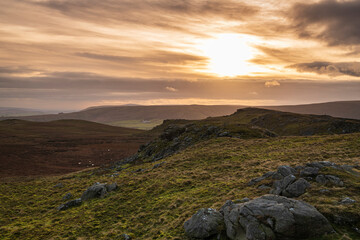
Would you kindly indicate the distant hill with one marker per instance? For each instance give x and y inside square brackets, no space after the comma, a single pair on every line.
[346,109]
[147,117]
[111,114]
[8,111]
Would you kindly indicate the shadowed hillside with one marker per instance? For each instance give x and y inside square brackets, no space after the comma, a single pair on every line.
[36,148]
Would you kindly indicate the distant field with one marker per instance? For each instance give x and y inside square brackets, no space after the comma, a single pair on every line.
[138,124]
[59,147]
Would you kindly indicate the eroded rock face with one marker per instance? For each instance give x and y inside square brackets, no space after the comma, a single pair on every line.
[205,223]
[273,217]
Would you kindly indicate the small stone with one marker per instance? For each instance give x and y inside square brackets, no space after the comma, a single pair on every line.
[125,237]
[59,185]
[324,190]
[72,203]
[309,172]
[67,196]
[264,187]
[347,200]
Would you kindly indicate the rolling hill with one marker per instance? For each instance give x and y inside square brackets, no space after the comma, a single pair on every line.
[147,117]
[8,111]
[343,109]
[120,113]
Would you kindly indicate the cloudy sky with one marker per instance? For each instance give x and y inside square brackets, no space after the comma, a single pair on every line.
[72,54]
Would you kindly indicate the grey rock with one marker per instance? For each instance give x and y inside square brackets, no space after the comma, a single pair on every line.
[324,190]
[125,237]
[111,187]
[286,170]
[264,187]
[98,190]
[324,179]
[309,172]
[259,179]
[279,186]
[205,223]
[59,185]
[255,180]
[321,164]
[297,188]
[335,180]
[298,168]
[321,179]
[273,217]
[224,134]
[347,200]
[277,176]
[69,204]
[67,196]
[158,165]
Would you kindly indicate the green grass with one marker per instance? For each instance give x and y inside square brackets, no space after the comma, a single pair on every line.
[137,124]
[154,204]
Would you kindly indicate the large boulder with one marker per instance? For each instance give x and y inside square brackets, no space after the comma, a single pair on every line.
[207,222]
[273,217]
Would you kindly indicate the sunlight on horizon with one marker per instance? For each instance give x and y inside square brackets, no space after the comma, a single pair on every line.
[229,55]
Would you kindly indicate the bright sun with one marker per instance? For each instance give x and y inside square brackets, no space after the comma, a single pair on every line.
[229,54]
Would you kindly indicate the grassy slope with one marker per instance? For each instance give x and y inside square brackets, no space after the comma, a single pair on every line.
[154,204]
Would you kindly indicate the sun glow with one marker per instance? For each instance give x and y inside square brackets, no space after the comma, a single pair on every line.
[229,54]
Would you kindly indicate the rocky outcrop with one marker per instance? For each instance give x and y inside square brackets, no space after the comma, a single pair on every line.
[207,222]
[294,181]
[266,218]
[98,190]
[290,187]
[67,196]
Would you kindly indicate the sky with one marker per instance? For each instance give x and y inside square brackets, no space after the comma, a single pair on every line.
[73,54]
